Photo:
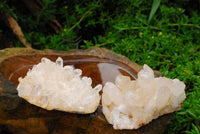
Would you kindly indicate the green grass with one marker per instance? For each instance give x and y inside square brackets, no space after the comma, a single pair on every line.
[165,36]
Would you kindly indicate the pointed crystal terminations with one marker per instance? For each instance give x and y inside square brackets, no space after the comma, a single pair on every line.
[51,86]
[130,104]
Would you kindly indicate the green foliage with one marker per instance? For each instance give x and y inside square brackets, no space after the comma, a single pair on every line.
[195,130]
[60,41]
[170,43]
[48,10]
[5,8]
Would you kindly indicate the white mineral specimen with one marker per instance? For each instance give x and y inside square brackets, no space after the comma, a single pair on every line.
[51,86]
[130,104]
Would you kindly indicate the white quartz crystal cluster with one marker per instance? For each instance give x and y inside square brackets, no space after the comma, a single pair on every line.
[51,86]
[129,104]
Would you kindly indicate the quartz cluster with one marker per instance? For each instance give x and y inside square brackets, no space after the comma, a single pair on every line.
[129,104]
[51,86]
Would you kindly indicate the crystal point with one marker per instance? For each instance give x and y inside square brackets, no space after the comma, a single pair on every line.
[59,61]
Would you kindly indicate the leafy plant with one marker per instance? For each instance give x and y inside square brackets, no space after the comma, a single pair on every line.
[48,10]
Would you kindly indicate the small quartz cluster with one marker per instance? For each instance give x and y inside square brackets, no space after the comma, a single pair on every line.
[51,86]
[129,104]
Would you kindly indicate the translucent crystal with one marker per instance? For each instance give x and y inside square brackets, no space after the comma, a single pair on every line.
[98,87]
[130,104]
[45,60]
[51,86]
[59,61]
[77,72]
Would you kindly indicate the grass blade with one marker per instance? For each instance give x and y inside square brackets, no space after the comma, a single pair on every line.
[154,8]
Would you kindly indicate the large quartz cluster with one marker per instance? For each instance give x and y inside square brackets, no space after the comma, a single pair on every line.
[129,104]
[51,86]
